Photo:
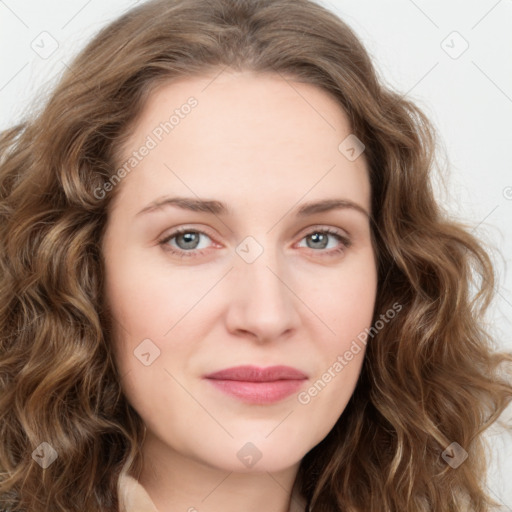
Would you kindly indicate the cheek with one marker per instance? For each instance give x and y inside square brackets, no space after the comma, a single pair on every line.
[146,302]
[345,302]
[145,307]
[153,311]
[340,360]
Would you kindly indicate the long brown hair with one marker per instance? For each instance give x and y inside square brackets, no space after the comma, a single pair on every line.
[431,377]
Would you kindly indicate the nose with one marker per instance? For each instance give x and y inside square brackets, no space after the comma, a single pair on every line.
[262,304]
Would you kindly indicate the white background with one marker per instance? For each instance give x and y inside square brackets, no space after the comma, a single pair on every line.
[469,99]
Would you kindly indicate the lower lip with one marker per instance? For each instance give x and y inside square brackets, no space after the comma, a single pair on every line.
[258,392]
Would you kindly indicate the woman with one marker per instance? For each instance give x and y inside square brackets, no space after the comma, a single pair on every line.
[226,282]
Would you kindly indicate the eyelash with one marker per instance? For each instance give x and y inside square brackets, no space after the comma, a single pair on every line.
[345,242]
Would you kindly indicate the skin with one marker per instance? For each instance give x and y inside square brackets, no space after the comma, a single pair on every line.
[264,146]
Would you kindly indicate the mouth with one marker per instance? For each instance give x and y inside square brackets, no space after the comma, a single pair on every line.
[256,385]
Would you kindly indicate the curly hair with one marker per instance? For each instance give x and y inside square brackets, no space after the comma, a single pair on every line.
[433,376]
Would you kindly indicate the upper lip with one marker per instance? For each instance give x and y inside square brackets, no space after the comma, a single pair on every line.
[249,373]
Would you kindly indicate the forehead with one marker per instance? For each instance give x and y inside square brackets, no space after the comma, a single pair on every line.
[246,134]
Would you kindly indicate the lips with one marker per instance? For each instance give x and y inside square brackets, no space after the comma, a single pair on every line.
[255,385]
[255,374]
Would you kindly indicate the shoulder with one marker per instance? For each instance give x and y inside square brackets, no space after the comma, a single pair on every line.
[133,497]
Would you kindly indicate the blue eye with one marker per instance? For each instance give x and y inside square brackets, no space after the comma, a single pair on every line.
[320,240]
[186,242]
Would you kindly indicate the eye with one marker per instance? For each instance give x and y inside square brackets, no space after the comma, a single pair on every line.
[186,242]
[319,240]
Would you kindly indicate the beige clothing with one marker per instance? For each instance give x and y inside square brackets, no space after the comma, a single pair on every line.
[134,498]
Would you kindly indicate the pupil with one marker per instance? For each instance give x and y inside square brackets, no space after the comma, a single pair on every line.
[189,240]
[319,237]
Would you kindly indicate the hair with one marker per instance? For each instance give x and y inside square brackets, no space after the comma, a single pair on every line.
[431,377]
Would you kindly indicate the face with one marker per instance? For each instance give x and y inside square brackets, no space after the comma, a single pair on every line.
[258,277]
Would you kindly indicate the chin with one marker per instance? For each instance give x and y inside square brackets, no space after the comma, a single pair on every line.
[247,456]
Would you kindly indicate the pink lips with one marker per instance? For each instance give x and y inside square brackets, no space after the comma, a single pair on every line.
[258,385]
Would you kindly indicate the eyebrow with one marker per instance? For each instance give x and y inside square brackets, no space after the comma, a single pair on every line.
[219,208]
